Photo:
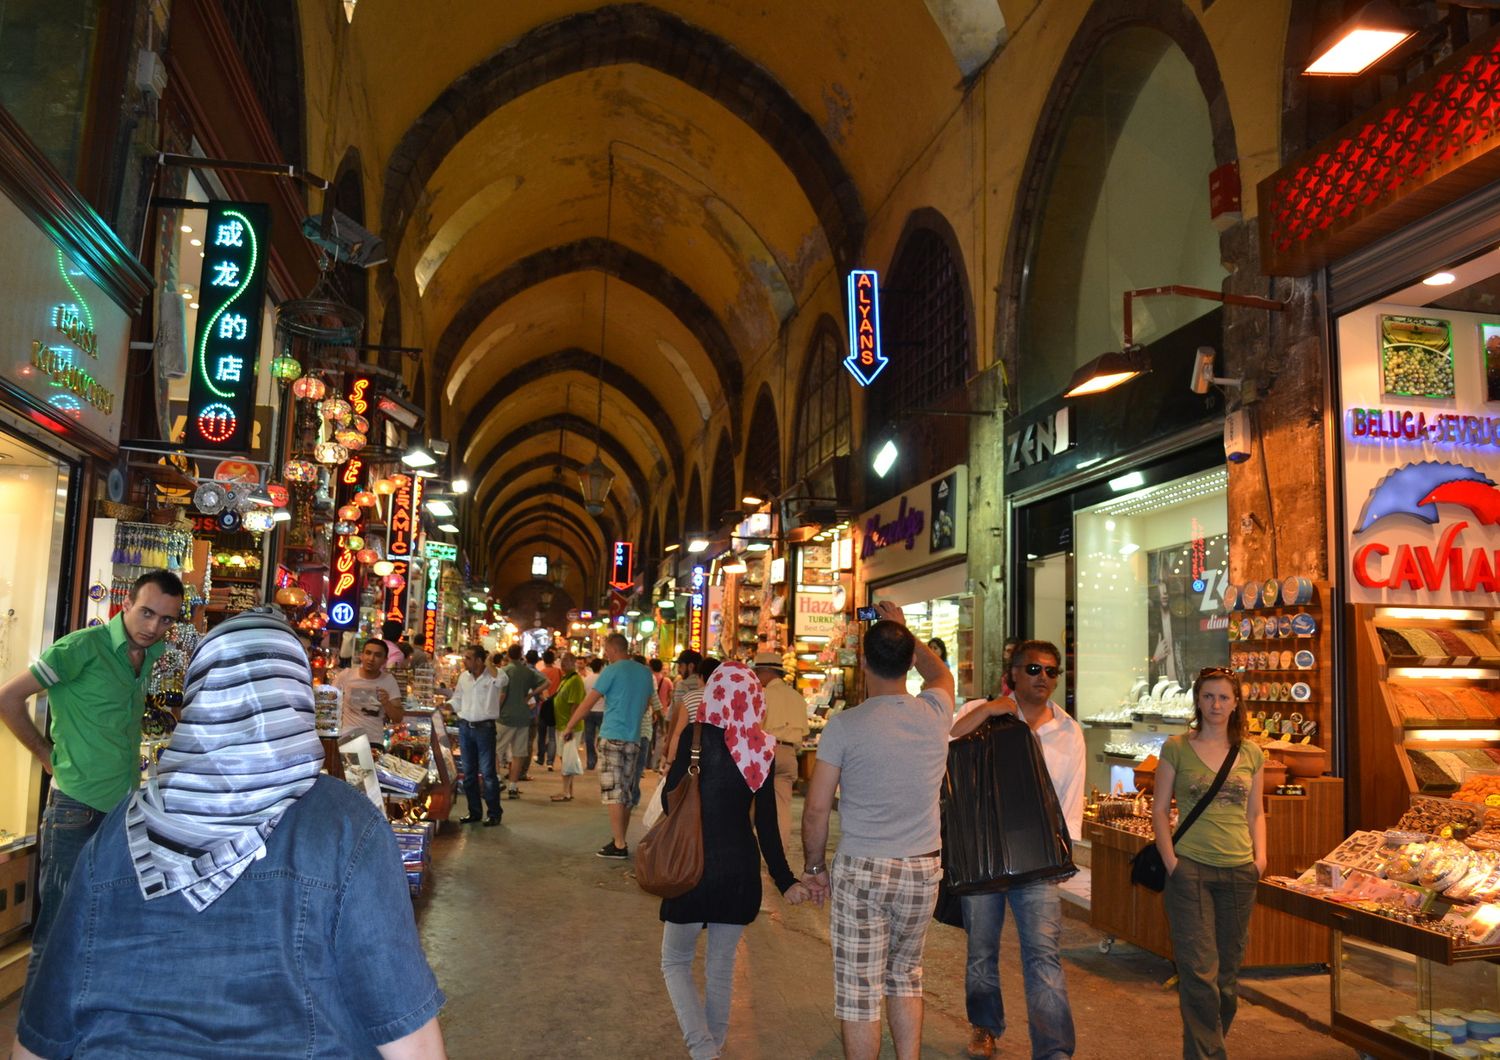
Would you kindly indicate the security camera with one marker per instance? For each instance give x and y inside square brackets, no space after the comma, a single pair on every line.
[345,239]
[1237,436]
[1203,370]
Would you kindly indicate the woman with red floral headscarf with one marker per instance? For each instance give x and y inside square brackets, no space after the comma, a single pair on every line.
[734,766]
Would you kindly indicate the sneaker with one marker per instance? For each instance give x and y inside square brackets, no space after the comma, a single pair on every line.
[513,793]
[981,1044]
[609,850]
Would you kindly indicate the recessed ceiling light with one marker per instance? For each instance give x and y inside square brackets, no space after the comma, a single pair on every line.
[187,228]
[1439,279]
[195,241]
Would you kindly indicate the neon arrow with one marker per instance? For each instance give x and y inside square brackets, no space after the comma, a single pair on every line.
[865,361]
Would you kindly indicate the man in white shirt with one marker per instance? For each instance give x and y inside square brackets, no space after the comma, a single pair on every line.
[786,722]
[1034,669]
[476,700]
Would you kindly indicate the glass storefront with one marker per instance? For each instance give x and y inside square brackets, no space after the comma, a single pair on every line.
[1134,598]
[33,508]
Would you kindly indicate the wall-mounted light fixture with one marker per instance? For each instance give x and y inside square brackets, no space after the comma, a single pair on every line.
[1373,32]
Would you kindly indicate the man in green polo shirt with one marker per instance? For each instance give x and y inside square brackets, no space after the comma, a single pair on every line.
[95,680]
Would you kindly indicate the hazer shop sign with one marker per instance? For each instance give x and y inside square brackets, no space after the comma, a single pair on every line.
[1421,502]
[925,526]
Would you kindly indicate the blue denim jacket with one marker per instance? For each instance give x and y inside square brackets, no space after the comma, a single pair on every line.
[312,953]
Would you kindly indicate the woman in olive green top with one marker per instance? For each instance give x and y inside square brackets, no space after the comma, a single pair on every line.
[567,697]
[1212,871]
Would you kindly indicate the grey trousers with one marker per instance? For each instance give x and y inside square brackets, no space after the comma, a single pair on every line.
[703,1017]
[1208,909]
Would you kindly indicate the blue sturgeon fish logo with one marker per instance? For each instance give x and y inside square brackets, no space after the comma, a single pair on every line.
[1408,491]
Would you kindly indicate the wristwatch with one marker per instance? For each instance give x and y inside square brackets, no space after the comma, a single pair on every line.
[814,870]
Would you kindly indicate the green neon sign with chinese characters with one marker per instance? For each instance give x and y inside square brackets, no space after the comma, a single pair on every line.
[221,394]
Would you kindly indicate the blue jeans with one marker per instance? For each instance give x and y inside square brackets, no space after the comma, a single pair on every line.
[591,723]
[704,1018]
[67,825]
[640,767]
[1038,913]
[476,742]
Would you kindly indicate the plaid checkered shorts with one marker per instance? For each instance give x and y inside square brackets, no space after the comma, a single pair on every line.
[617,760]
[878,922]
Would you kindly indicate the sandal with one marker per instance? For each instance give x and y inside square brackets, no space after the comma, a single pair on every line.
[562,798]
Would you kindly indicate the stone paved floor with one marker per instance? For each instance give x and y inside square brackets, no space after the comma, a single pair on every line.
[547,951]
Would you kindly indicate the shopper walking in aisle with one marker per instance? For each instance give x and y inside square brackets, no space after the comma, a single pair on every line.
[734,764]
[95,680]
[786,721]
[661,707]
[887,757]
[689,697]
[595,716]
[1037,907]
[1213,867]
[477,703]
[238,867]
[371,697]
[546,726]
[626,686]
[516,715]
[648,728]
[569,694]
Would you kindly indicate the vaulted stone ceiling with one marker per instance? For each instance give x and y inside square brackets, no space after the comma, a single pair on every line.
[709,161]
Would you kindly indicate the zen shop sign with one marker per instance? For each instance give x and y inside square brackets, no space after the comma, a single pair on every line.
[67,339]
[1421,460]
[925,525]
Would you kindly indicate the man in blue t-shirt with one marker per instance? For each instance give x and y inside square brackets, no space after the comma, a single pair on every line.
[626,687]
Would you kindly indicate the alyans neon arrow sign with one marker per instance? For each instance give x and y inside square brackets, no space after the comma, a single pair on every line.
[865,360]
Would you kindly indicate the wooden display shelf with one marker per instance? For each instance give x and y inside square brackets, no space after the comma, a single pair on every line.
[1300,829]
[1381,930]
[1382,776]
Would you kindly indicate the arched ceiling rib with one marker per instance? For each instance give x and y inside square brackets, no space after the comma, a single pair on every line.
[540,468]
[619,262]
[542,451]
[549,426]
[628,34]
[580,362]
[514,501]
[553,519]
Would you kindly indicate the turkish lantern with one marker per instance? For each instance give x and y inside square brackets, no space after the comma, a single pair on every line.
[336,409]
[292,596]
[299,471]
[384,487]
[349,513]
[330,453]
[310,388]
[278,494]
[360,424]
[349,438]
[367,556]
[395,581]
[354,543]
[345,529]
[382,568]
[400,481]
[364,498]
[286,369]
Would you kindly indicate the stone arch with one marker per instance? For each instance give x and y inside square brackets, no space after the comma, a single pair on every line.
[671,527]
[348,195]
[723,494]
[617,35]
[585,573]
[824,407]
[692,510]
[621,263]
[1177,22]
[582,361]
[762,449]
[573,424]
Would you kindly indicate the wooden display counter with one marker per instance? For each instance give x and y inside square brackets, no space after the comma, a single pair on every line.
[1299,830]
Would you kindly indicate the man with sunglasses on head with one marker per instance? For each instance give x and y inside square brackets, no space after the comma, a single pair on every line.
[1034,668]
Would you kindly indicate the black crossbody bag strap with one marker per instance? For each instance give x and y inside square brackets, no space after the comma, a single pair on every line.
[1229,760]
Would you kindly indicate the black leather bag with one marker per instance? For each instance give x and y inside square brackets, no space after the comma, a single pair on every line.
[1002,826]
[1147,869]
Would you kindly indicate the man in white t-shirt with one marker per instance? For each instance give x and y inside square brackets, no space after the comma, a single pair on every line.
[1036,907]
[371,697]
[476,701]
[887,756]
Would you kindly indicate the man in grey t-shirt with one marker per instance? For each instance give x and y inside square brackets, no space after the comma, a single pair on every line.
[887,756]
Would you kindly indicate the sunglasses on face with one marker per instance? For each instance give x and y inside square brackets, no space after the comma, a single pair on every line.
[1032,669]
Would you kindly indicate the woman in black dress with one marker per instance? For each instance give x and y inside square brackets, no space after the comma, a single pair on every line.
[734,765]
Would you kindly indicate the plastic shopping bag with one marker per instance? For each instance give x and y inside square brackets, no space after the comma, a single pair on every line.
[653,809]
[572,764]
[1002,825]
